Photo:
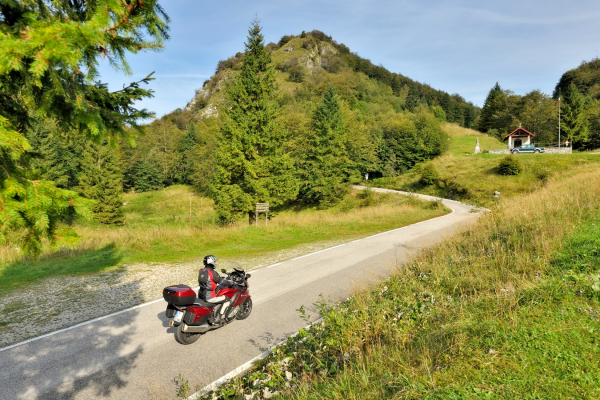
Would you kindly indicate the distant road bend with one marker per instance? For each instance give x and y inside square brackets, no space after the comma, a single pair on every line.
[134,354]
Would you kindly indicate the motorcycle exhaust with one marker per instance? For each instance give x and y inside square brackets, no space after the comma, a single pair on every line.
[195,329]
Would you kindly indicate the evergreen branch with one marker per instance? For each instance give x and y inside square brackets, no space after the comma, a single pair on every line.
[135,85]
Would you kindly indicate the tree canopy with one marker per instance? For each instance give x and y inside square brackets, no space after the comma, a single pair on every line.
[49,57]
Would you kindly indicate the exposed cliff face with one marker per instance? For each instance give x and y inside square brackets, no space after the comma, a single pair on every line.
[308,53]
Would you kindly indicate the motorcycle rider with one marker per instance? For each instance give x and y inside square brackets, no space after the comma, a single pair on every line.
[209,278]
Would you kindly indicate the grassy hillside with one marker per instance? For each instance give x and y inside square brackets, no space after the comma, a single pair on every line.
[509,309]
[158,229]
[473,177]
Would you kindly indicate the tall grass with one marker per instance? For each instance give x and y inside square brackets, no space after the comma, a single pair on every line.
[486,314]
[508,309]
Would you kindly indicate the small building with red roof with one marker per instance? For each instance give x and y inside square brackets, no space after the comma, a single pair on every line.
[519,137]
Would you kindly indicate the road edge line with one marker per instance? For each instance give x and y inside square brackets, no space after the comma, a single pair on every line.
[211,387]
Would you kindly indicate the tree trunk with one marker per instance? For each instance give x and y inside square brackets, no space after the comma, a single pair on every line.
[251,217]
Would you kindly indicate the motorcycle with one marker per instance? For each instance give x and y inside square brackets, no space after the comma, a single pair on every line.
[194,317]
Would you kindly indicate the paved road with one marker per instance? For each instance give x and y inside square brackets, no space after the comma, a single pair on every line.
[134,354]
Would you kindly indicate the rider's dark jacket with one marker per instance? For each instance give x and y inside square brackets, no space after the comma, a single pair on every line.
[208,279]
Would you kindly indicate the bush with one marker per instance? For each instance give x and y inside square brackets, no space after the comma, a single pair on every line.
[543,175]
[320,35]
[309,43]
[429,176]
[439,113]
[284,40]
[331,64]
[509,166]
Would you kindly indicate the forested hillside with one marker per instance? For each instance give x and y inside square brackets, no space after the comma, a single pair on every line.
[386,123]
[579,92]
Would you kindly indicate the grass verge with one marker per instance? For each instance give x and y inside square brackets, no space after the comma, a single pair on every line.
[509,309]
[158,228]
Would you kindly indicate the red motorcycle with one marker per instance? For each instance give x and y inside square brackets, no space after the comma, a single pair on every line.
[193,316]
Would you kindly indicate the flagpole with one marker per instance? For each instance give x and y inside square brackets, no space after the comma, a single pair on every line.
[559,117]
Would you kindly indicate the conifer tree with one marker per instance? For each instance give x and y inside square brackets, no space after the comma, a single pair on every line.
[486,118]
[144,176]
[100,180]
[186,147]
[324,165]
[55,160]
[412,100]
[251,165]
[575,117]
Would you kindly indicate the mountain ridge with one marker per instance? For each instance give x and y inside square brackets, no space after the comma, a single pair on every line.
[298,58]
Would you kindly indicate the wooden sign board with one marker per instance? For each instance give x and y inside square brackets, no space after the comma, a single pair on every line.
[261,207]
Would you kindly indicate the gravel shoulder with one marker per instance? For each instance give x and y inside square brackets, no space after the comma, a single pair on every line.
[60,302]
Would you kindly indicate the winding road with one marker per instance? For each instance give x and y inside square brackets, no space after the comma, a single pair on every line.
[133,354]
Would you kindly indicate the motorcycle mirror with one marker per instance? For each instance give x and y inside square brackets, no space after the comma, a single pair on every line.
[223,270]
[248,276]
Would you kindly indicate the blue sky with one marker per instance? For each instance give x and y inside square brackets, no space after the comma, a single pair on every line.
[459,46]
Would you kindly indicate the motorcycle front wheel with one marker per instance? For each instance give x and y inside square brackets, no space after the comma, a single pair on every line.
[184,337]
[245,309]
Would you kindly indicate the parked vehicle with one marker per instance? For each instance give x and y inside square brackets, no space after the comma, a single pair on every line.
[528,148]
[194,317]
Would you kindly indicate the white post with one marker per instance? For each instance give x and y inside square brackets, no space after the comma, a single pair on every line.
[558,117]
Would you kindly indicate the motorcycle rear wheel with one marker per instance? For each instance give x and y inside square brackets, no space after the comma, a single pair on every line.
[245,309]
[184,337]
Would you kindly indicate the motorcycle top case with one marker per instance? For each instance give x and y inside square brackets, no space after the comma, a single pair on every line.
[179,295]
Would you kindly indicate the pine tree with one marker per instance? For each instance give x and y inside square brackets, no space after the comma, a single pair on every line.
[186,146]
[251,166]
[144,176]
[486,119]
[413,98]
[326,159]
[100,180]
[575,117]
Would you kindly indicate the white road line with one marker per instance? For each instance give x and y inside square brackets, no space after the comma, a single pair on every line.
[243,368]
[12,346]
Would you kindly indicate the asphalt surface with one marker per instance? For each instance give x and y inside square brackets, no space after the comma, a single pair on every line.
[134,354]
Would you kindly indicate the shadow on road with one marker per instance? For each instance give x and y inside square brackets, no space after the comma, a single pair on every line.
[90,361]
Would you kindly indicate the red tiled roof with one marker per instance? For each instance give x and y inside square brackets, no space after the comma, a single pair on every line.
[516,130]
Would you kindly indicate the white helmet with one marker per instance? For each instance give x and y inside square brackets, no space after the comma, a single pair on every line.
[210,260]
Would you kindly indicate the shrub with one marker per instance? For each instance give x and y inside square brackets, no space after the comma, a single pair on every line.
[509,166]
[543,175]
[309,43]
[331,64]
[296,74]
[429,176]
[348,204]
[283,41]
[439,113]
[367,196]
[232,63]
[320,35]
